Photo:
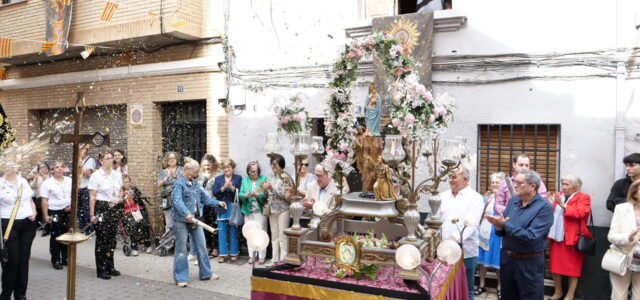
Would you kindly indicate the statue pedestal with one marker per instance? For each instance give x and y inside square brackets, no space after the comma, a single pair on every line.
[354,205]
[294,239]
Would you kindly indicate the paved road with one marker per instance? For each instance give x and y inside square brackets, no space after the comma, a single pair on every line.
[143,277]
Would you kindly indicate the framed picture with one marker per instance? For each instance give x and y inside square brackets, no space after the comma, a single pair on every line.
[347,253]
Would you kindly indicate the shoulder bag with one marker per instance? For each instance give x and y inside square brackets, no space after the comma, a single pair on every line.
[586,244]
[616,261]
[236,217]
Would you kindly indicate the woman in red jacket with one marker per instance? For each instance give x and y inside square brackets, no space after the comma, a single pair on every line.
[571,214]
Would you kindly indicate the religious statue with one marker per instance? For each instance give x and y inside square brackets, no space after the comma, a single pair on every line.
[383,188]
[368,150]
[372,112]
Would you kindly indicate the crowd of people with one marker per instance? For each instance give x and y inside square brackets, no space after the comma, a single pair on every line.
[517,219]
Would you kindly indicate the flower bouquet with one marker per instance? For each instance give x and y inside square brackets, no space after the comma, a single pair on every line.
[292,116]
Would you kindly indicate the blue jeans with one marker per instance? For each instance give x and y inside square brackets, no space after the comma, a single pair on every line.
[227,232]
[180,261]
[470,265]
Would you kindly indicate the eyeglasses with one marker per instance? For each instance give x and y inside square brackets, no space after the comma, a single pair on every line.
[253,172]
[305,164]
[519,183]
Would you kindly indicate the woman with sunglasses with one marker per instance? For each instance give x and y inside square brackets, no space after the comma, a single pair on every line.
[304,177]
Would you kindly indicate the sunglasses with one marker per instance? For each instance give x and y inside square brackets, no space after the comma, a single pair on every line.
[305,164]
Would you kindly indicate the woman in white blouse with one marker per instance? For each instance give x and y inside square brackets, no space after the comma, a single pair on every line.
[55,193]
[15,272]
[105,188]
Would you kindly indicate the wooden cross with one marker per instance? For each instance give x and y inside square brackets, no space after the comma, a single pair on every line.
[74,237]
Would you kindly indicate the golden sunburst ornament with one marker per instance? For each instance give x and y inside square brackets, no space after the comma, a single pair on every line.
[406,32]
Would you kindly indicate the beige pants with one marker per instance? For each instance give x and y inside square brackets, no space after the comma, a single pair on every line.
[262,220]
[620,285]
[279,222]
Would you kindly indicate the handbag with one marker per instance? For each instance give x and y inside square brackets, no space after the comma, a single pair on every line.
[266,209]
[586,244]
[236,217]
[616,261]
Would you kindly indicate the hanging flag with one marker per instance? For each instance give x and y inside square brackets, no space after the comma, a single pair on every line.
[87,51]
[179,24]
[46,46]
[5,47]
[108,11]
[58,25]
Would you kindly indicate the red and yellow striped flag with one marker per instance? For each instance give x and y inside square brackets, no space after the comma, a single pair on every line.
[5,47]
[65,2]
[108,11]
[46,46]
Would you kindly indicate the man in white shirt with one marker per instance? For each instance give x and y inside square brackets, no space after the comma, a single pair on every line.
[462,209]
[322,189]
[88,166]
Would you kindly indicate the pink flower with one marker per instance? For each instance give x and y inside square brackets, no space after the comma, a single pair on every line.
[286,120]
[301,116]
[409,118]
[428,96]
[396,98]
[421,90]
[439,112]
[432,118]
[395,122]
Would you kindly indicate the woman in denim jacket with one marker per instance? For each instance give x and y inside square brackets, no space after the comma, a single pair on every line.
[188,200]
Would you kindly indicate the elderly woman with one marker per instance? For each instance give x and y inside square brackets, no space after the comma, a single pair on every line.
[166,179]
[279,201]
[489,250]
[304,177]
[56,203]
[225,188]
[208,171]
[189,199]
[120,162]
[105,192]
[571,213]
[15,273]
[253,198]
[623,234]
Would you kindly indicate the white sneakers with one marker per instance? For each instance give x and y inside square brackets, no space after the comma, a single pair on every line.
[134,252]
[191,257]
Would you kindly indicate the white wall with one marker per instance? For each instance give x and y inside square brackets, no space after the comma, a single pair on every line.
[586,109]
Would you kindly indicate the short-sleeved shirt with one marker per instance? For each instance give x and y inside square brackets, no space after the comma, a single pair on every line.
[8,195]
[87,164]
[107,186]
[58,193]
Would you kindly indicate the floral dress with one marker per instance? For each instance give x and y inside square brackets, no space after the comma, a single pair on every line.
[277,196]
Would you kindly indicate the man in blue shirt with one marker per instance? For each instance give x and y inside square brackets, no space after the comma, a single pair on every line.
[524,227]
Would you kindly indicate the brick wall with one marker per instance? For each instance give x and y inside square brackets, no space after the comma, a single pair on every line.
[143,144]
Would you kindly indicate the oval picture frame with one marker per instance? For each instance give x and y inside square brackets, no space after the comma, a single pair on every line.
[347,254]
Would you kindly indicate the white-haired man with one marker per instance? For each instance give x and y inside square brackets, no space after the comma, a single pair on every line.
[462,209]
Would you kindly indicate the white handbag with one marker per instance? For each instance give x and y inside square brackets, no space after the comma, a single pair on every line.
[616,261]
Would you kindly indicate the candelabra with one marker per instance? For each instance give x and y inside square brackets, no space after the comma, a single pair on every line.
[429,146]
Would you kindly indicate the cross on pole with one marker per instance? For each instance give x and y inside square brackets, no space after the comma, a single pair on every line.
[74,237]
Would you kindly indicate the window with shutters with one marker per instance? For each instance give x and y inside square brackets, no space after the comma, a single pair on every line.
[498,143]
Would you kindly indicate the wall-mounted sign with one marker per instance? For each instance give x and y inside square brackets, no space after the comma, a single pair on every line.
[137,114]
[180,89]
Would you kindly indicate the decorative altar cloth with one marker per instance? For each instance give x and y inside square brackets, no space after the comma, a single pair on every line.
[313,281]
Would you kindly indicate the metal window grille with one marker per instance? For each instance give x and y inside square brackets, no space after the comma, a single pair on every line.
[498,143]
[184,128]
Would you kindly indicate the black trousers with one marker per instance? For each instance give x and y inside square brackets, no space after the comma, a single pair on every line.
[210,217]
[84,218]
[106,229]
[59,226]
[15,273]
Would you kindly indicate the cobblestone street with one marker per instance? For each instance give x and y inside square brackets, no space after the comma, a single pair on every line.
[146,276]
